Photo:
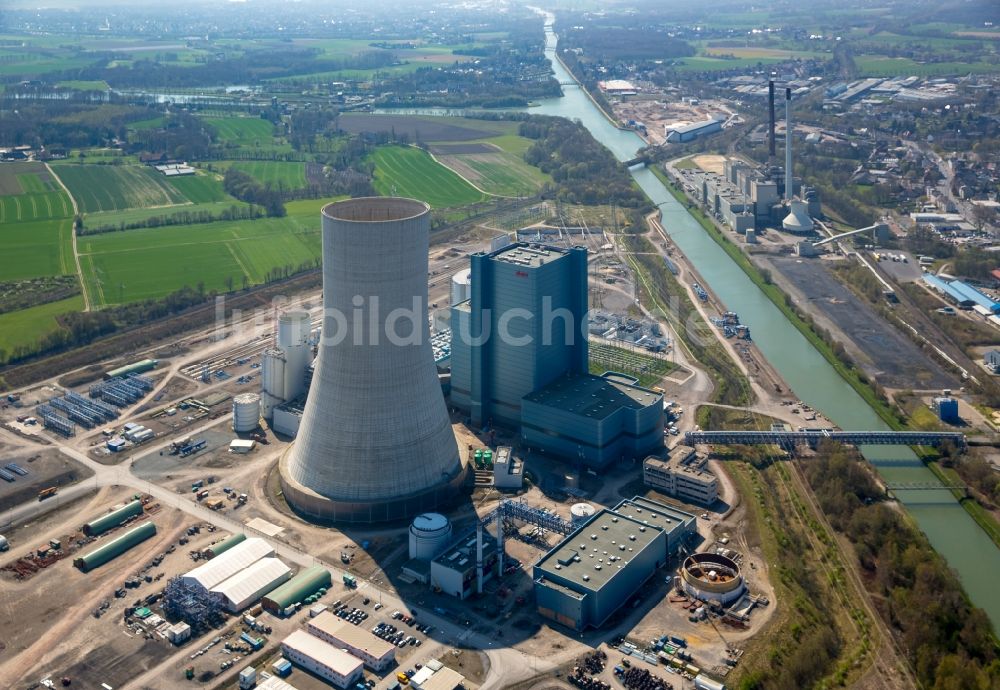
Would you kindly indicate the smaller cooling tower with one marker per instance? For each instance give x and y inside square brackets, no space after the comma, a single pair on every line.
[798,220]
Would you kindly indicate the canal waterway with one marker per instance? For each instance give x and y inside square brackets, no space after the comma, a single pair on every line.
[951,530]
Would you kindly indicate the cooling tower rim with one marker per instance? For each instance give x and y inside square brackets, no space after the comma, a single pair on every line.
[376,209]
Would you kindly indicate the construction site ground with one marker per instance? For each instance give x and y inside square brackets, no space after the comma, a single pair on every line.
[657,111]
[889,357]
[46,467]
[57,633]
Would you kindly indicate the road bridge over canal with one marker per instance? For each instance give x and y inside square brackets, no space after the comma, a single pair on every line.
[812,438]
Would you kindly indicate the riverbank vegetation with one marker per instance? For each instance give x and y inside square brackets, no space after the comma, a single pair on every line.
[583,170]
[821,634]
[947,641]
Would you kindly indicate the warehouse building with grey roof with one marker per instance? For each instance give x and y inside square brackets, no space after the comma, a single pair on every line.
[588,576]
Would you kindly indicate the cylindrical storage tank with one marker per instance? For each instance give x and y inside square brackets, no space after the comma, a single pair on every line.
[293,328]
[246,412]
[430,534]
[375,443]
[712,577]
[115,547]
[461,286]
[272,373]
[580,513]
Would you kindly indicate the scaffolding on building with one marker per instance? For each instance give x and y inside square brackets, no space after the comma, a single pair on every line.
[192,603]
[503,518]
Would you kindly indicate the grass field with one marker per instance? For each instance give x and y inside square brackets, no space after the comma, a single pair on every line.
[243,131]
[426,128]
[35,223]
[882,66]
[117,187]
[27,326]
[139,264]
[200,189]
[82,85]
[501,173]
[411,172]
[135,215]
[289,175]
[38,248]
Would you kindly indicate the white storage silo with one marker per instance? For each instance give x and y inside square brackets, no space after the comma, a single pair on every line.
[272,381]
[430,534]
[246,412]
[461,286]
[580,513]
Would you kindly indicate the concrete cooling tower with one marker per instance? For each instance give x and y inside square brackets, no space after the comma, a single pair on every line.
[375,443]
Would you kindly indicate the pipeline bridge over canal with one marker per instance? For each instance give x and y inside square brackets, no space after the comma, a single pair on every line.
[812,437]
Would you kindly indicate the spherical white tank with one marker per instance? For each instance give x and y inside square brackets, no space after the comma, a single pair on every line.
[580,513]
[430,534]
[461,286]
[246,412]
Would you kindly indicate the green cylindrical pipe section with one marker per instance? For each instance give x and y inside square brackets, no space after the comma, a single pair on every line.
[102,524]
[116,547]
[226,544]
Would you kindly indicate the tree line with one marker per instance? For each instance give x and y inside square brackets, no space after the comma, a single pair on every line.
[245,188]
[234,212]
[583,170]
[947,641]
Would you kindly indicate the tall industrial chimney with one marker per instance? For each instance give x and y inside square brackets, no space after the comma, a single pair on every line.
[770,125]
[375,442]
[788,144]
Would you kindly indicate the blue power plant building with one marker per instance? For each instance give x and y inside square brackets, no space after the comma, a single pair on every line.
[519,358]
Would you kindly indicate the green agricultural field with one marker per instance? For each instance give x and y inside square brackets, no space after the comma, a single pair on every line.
[35,206]
[82,85]
[117,187]
[243,131]
[137,215]
[36,248]
[151,123]
[498,172]
[278,174]
[411,172]
[35,223]
[201,188]
[140,264]
[27,326]
[882,66]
